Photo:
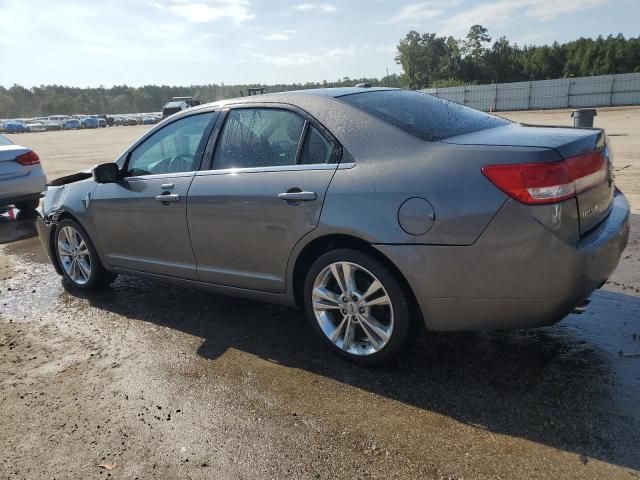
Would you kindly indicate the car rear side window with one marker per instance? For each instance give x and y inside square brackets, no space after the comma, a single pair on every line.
[316,148]
[259,137]
[424,116]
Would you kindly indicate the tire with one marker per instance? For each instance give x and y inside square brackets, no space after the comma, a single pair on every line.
[366,313]
[88,273]
[28,205]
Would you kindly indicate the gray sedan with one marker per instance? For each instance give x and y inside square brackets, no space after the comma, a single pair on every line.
[376,211]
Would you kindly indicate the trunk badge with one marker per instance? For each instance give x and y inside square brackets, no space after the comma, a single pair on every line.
[590,211]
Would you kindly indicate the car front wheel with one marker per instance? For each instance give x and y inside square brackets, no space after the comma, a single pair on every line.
[78,258]
[358,307]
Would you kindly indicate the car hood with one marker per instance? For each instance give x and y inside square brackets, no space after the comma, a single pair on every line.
[67,192]
[74,177]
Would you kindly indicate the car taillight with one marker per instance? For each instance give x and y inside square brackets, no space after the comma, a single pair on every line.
[29,158]
[588,170]
[539,183]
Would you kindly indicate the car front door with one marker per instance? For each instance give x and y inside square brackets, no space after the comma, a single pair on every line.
[141,220]
[263,192]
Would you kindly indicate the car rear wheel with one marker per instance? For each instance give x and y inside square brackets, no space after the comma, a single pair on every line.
[358,307]
[78,258]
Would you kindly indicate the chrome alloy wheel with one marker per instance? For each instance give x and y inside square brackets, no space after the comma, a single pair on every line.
[74,255]
[352,308]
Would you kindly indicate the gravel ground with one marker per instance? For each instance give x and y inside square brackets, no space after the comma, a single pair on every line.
[145,380]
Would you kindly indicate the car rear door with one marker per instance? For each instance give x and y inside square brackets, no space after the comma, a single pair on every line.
[141,220]
[264,190]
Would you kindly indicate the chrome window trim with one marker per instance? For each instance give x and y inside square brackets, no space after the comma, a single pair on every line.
[278,168]
[158,176]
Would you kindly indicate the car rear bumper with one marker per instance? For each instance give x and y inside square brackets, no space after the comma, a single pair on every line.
[23,188]
[517,275]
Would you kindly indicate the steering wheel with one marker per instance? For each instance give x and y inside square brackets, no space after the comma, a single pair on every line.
[180,163]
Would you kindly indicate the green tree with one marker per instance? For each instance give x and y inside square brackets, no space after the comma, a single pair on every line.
[475,43]
[410,56]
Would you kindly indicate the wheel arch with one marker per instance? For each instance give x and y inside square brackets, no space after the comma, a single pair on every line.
[321,245]
[63,215]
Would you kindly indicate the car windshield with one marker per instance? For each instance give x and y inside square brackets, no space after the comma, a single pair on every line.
[421,115]
[4,141]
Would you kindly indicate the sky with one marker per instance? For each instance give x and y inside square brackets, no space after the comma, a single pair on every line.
[88,43]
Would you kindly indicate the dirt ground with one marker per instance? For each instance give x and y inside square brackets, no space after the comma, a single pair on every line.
[145,380]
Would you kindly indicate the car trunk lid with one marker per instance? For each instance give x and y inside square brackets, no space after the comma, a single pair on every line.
[584,150]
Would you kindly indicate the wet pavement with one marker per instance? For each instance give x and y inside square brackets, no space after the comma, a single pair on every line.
[163,382]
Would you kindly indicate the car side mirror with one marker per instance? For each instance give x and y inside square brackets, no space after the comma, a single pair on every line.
[106,173]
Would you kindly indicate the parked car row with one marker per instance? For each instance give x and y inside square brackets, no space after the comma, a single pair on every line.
[137,119]
[76,122]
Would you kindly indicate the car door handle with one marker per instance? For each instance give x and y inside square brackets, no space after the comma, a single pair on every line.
[298,196]
[168,197]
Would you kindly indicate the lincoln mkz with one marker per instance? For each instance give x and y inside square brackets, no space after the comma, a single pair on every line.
[376,211]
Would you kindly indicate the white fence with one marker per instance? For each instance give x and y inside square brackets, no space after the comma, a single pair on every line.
[600,91]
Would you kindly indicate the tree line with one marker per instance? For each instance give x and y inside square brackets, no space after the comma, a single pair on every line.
[427,60]
[432,61]
[19,102]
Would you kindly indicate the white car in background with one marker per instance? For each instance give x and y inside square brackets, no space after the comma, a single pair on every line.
[36,126]
[22,178]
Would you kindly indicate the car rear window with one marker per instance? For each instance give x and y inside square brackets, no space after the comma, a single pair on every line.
[4,141]
[421,115]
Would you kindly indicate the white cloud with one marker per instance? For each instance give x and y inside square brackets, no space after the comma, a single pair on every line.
[495,14]
[277,37]
[201,12]
[549,9]
[298,59]
[99,50]
[415,12]
[387,49]
[536,37]
[316,7]
[503,12]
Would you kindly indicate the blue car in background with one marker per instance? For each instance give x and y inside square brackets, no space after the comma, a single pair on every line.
[71,124]
[14,127]
[90,122]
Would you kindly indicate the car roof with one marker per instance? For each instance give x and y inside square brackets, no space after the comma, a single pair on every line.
[334,92]
[289,96]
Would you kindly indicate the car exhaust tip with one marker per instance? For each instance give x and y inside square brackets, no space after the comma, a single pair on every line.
[580,309]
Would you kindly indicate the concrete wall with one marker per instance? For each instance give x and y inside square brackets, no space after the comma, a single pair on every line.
[600,91]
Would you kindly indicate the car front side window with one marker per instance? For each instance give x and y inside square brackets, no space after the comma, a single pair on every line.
[170,150]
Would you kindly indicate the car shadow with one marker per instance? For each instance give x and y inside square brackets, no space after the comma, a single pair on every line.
[550,385]
[16,225]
